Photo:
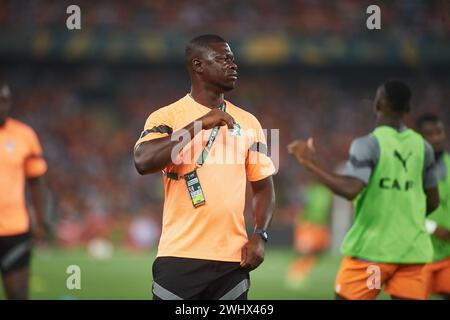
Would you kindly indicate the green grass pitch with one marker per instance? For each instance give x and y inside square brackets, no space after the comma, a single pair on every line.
[128,276]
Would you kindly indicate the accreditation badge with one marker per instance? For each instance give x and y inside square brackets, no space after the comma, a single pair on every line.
[195,189]
[236,131]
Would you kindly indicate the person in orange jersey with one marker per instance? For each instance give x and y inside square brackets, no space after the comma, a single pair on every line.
[204,252]
[21,162]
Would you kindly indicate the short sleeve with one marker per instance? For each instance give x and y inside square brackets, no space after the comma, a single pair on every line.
[430,179]
[363,157]
[35,165]
[258,163]
[158,125]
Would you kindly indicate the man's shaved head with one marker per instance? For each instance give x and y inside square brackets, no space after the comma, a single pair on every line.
[210,63]
[393,97]
[398,95]
[432,129]
[197,46]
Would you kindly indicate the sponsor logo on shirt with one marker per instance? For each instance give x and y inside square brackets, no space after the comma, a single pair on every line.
[10,146]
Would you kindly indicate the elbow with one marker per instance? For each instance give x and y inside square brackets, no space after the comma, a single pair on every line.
[141,164]
[352,190]
[350,195]
[139,167]
[433,206]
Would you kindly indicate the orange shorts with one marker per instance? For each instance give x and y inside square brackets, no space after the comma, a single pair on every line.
[437,275]
[311,238]
[363,280]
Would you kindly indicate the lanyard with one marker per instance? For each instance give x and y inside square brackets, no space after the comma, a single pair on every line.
[212,137]
[202,158]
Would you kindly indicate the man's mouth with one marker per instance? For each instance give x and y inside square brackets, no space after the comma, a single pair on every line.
[233,76]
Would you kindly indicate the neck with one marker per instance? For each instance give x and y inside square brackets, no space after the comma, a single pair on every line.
[206,96]
[395,123]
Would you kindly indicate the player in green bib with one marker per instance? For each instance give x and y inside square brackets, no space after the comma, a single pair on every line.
[390,175]
[311,232]
[438,272]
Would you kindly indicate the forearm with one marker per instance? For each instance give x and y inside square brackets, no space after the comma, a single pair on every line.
[152,156]
[263,204]
[37,197]
[341,185]
[442,234]
[433,201]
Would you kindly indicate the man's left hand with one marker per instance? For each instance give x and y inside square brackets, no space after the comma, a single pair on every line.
[252,253]
[38,234]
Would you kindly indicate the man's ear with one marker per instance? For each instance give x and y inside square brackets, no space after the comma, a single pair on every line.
[381,104]
[197,65]
[408,108]
[377,106]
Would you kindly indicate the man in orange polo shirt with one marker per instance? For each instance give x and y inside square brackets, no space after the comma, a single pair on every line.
[20,160]
[204,252]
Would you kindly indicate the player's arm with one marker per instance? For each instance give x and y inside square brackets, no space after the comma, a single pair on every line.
[432,195]
[37,197]
[35,168]
[263,207]
[345,186]
[430,180]
[442,233]
[154,155]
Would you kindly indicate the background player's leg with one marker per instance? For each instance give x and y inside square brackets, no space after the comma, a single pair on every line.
[445,296]
[16,284]
[400,298]
[338,297]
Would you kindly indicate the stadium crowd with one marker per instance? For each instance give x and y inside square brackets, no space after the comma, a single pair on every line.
[234,18]
[88,119]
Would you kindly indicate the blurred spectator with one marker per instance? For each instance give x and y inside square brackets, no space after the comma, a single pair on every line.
[233,18]
[89,116]
[88,125]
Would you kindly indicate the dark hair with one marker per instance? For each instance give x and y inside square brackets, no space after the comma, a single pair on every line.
[426,118]
[202,41]
[398,95]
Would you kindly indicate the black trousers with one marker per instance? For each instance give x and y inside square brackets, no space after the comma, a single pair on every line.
[15,252]
[196,279]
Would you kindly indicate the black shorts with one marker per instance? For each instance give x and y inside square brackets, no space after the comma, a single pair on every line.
[196,279]
[15,252]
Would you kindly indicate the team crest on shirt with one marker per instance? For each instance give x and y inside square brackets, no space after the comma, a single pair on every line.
[10,146]
[236,130]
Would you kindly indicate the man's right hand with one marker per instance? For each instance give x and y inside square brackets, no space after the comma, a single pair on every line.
[303,151]
[216,117]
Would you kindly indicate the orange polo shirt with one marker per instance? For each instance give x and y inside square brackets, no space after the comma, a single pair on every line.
[216,230]
[20,158]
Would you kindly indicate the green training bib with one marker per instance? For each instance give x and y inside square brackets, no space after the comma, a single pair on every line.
[390,212]
[442,215]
